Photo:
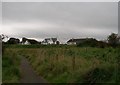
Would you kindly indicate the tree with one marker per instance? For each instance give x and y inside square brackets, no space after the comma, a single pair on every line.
[57,42]
[2,36]
[113,39]
[2,48]
[13,41]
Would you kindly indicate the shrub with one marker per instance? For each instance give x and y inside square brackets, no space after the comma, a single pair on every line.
[99,75]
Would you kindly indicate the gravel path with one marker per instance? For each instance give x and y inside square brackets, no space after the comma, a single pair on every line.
[28,74]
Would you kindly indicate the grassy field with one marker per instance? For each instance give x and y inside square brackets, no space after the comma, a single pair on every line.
[0,69]
[63,64]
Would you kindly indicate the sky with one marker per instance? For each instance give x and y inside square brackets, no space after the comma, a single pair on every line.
[60,0]
[63,20]
[119,19]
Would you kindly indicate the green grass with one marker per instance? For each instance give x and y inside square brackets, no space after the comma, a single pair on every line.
[57,64]
[65,64]
[10,66]
[0,69]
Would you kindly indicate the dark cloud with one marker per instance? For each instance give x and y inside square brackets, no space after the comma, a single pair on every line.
[63,20]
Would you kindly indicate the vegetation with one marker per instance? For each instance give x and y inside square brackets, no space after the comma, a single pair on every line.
[113,39]
[67,64]
[13,41]
[90,62]
[93,43]
[0,69]
[10,66]
[74,64]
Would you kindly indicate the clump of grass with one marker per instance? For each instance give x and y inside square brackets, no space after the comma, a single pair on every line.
[100,74]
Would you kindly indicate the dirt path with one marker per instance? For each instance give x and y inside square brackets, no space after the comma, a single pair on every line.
[28,74]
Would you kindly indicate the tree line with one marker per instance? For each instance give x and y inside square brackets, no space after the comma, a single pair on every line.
[112,40]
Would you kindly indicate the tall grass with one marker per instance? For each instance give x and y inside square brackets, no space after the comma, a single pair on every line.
[0,68]
[73,64]
[63,64]
[10,66]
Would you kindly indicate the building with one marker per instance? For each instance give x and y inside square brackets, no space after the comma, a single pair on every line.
[77,41]
[49,41]
[26,41]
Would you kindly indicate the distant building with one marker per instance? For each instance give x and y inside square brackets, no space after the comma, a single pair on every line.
[26,41]
[77,41]
[71,42]
[49,41]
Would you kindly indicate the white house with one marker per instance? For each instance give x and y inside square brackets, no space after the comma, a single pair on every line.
[49,41]
[78,41]
[26,43]
[75,41]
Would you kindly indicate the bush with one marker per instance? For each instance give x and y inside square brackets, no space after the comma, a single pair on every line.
[99,75]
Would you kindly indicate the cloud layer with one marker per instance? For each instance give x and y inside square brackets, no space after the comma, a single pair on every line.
[64,20]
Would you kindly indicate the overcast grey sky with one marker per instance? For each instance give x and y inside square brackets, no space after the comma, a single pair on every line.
[64,20]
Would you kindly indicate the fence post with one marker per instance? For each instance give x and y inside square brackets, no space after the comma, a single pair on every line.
[57,57]
[73,62]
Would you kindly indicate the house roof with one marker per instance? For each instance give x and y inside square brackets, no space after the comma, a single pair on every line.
[32,41]
[78,40]
[53,39]
[75,40]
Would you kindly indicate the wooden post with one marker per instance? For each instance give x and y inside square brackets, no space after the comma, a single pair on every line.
[51,62]
[86,49]
[73,62]
[57,57]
